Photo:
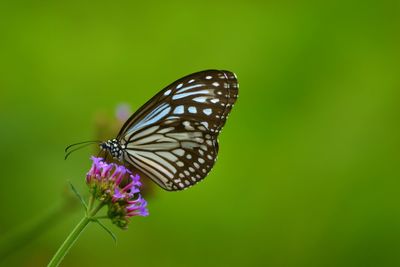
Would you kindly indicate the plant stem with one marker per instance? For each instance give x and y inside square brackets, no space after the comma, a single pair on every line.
[73,236]
[90,205]
[95,210]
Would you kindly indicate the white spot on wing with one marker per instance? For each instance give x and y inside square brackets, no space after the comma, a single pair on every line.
[200,99]
[184,89]
[179,110]
[179,96]
[179,152]
[188,126]
[180,164]
[199,140]
[192,110]
[205,124]
[207,111]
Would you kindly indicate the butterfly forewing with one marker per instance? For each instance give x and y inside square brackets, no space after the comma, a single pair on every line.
[173,137]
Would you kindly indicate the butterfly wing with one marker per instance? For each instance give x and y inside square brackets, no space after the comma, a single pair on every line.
[173,137]
[173,154]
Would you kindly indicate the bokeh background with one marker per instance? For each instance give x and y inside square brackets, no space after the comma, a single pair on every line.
[308,170]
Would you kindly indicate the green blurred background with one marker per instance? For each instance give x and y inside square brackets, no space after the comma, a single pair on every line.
[308,170]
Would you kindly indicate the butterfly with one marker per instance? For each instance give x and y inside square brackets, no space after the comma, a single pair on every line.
[172,138]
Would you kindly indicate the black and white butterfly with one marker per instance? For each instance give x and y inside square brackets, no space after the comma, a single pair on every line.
[172,139]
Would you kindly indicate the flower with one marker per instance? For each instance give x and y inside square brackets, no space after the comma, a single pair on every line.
[116,186]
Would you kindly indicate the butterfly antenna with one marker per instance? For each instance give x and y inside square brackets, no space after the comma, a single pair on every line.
[80,143]
[79,147]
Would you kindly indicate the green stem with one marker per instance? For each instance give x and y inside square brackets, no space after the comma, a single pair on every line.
[90,204]
[73,236]
[95,210]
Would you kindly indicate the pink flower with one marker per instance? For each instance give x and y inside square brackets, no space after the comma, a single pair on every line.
[117,187]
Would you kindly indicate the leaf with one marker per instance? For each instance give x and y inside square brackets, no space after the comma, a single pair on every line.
[114,237]
[78,195]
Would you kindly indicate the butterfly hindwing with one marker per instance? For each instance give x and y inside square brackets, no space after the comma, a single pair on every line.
[175,155]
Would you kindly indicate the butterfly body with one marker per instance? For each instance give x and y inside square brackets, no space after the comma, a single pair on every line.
[114,148]
[172,139]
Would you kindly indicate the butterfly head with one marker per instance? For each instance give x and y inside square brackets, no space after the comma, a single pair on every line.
[113,147]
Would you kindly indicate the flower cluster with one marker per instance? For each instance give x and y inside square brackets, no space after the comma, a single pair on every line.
[117,187]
